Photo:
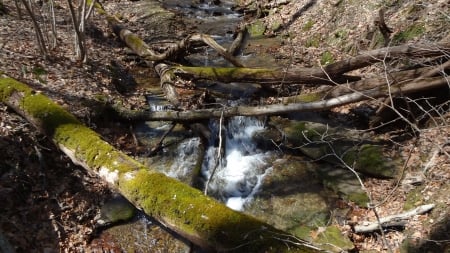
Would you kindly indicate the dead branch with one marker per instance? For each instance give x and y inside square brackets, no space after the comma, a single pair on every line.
[274,109]
[393,220]
[387,53]
[142,49]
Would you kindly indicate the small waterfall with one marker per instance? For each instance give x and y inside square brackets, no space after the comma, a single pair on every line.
[242,167]
[188,152]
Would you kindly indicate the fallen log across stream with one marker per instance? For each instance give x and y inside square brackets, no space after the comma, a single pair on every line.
[344,88]
[281,108]
[183,209]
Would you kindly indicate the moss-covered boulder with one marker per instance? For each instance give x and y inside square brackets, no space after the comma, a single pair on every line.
[338,146]
[256,29]
[291,196]
[344,183]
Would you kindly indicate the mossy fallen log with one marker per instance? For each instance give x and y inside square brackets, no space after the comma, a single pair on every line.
[197,217]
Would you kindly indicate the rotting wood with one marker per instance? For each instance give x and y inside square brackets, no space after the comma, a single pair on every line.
[393,220]
[185,210]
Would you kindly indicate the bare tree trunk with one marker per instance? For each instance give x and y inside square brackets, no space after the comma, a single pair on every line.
[79,35]
[39,37]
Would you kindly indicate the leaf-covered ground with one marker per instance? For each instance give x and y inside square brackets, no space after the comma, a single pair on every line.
[48,204]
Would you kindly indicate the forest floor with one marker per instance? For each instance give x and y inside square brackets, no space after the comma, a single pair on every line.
[48,204]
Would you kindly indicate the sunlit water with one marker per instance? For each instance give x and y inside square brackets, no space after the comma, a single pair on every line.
[237,175]
[242,167]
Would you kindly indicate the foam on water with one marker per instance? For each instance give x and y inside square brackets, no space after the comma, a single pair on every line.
[236,180]
[186,160]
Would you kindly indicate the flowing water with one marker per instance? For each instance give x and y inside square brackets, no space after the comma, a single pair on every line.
[235,175]
[234,170]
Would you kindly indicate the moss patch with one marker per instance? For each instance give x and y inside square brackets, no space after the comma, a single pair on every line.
[200,216]
[409,33]
[369,159]
[257,29]
[66,130]
[326,58]
[414,198]
[333,240]
[308,25]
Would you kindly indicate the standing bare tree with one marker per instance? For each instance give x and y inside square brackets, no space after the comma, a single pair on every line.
[39,37]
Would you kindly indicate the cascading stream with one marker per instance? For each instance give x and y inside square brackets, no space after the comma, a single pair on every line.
[236,176]
[242,166]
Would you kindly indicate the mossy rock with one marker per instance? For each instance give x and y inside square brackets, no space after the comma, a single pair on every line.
[329,239]
[143,235]
[338,146]
[117,209]
[257,29]
[276,26]
[291,196]
[344,183]
[370,160]
[333,240]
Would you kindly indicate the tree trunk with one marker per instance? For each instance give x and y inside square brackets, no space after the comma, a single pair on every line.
[197,217]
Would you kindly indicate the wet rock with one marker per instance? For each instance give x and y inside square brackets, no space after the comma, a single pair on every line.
[291,196]
[116,209]
[140,235]
[293,199]
[344,183]
[257,29]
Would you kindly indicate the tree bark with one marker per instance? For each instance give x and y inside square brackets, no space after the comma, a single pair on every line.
[197,217]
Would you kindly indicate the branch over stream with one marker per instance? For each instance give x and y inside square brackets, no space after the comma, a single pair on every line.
[352,89]
[274,109]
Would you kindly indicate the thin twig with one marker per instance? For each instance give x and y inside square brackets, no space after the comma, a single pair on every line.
[160,145]
[218,158]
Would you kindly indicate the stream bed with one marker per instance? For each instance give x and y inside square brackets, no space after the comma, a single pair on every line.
[248,175]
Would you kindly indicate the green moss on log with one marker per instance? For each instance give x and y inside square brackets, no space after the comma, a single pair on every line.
[66,130]
[181,205]
[184,209]
[226,74]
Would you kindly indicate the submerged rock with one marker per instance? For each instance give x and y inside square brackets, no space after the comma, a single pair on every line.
[117,209]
